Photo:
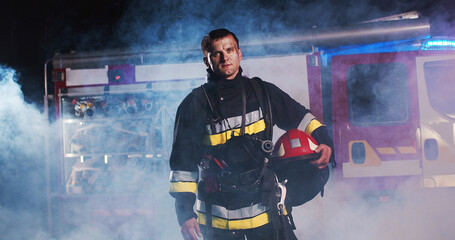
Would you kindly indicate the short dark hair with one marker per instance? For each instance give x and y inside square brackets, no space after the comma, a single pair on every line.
[213,35]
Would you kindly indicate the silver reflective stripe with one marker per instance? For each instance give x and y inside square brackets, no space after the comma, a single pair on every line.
[242,213]
[183,176]
[305,121]
[234,122]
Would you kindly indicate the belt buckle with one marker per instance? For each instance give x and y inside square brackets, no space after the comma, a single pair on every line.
[227,182]
[225,173]
[249,176]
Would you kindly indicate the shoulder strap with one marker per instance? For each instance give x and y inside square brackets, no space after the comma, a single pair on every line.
[215,114]
[263,95]
[242,130]
[203,102]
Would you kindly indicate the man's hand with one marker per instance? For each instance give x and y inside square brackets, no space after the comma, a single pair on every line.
[324,160]
[190,228]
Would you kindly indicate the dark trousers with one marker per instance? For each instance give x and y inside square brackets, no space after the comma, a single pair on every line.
[261,233]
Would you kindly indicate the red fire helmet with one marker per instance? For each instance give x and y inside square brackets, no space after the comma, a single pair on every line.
[295,145]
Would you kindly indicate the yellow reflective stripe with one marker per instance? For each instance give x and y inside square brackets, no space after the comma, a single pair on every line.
[183,187]
[312,126]
[221,138]
[248,223]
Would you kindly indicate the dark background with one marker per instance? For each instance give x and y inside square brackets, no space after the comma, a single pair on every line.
[33,31]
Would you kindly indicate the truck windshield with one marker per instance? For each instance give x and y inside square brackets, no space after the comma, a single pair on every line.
[440,81]
[378,94]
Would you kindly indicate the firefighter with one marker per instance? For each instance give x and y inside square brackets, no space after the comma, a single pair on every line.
[222,148]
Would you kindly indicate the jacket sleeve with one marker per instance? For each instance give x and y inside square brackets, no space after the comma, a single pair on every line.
[289,114]
[186,152]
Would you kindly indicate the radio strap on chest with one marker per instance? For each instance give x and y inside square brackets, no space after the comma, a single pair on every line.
[263,96]
[242,130]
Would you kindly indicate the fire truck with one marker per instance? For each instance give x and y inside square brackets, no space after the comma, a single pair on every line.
[384,89]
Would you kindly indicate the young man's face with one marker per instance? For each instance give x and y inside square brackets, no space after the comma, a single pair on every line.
[224,57]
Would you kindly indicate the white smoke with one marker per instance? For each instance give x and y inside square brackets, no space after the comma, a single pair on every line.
[23,210]
[408,213]
[22,171]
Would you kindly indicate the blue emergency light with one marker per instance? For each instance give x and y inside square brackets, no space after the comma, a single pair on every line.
[438,44]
